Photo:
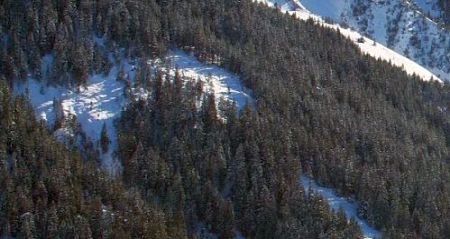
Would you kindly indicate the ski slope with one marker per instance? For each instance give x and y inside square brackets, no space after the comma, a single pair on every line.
[336,202]
[102,100]
[368,46]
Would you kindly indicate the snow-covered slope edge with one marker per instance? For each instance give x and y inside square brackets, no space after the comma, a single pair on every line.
[101,101]
[336,202]
[366,45]
[402,25]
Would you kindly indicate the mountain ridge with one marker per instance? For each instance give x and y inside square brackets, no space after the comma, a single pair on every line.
[398,24]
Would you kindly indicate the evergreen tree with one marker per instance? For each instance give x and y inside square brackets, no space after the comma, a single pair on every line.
[104,139]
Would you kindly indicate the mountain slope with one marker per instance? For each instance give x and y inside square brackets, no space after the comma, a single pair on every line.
[103,98]
[399,24]
[331,10]
[48,191]
[354,123]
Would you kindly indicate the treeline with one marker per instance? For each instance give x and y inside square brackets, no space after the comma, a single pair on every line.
[353,122]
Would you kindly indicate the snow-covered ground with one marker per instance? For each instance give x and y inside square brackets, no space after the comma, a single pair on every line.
[224,84]
[430,7]
[331,9]
[102,100]
[99,103]
[336,202]
[404,26]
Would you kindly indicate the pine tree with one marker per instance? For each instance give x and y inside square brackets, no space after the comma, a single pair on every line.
[59,114]
[104,139]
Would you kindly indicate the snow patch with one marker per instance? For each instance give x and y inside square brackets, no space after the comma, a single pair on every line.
[101,101]
[224,84]
[336,202]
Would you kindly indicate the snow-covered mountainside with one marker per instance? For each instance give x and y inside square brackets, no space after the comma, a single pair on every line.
[325,9]
[409,27]
[103,98]
[336,202]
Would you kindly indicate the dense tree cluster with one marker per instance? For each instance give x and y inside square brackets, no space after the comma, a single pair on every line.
[353,122]
[356,123]
[47,191]
[68,30]
[233,176]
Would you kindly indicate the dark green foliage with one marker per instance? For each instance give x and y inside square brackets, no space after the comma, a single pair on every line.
[104,139]
[223,175]
[67,29]
[48,192]
[354,123]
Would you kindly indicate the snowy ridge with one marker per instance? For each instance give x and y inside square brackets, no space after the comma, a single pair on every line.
[103,98]
[402,25]
[336,202]
[367,46]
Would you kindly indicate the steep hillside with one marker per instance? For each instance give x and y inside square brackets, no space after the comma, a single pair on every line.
[321,108]
[83,114]
[366,44]
[398,24]
[47,191]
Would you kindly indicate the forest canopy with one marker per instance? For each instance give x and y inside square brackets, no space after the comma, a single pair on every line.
[354,123]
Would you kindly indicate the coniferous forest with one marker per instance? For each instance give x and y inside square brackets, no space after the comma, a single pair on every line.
[323,109]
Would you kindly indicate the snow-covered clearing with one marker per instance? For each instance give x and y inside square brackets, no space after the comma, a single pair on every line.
[102,100]
[224,85]
[336,202]
[368,46]
[99,102]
